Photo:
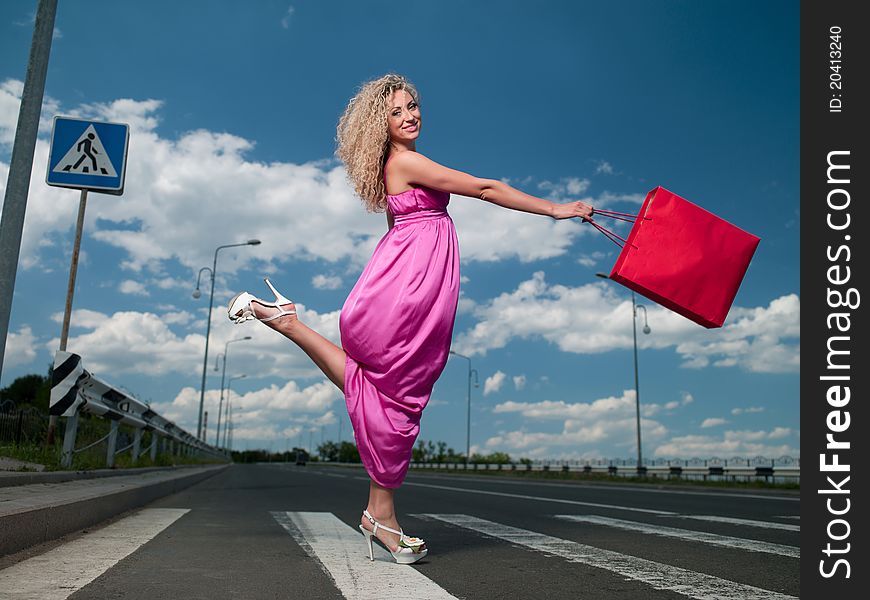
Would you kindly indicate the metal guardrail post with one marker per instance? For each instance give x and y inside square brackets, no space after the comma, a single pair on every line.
[137,443]
[113,442]
[69,440]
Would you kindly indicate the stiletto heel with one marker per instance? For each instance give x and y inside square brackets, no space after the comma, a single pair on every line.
[279,297]
[240,310]
[410,550]
[368,534]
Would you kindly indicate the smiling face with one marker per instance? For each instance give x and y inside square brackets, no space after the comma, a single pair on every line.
[403,116]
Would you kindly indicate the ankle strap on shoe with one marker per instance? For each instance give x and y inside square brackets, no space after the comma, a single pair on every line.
[378,525]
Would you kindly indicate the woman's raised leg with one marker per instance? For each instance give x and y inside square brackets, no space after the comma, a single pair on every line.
[326,355]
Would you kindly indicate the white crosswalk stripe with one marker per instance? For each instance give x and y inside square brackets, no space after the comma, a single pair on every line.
[342,553]
[658,575]
[60,572]
[687,534]
[747,522]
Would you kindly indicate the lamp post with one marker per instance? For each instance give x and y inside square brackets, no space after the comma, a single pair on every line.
[227,426]
[468,417]
[223,375]
[646,330]
[197,294]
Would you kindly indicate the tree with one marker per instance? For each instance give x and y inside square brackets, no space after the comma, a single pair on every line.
[418,453]
[442,450]
[28,390]
[328,450]
[348,452]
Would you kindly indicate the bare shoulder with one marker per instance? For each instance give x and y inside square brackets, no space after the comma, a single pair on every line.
[409,158]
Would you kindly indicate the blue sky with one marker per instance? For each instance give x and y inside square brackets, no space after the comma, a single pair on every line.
[233,107]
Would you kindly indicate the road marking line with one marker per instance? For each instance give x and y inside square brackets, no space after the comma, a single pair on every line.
[60,572]
[541,498]
[789,517]
[687,534]
[342,554]
[639,488]
[658,575]
[749,522]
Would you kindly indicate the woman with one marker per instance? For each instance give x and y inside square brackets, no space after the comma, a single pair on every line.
[397,322]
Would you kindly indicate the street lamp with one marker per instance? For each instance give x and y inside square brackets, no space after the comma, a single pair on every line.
[646,330]
[229,413]
[468,418]
[223,374]
[197,294]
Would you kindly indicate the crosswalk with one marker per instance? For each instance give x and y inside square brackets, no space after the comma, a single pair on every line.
[714,539]
[657,575]
[337,548]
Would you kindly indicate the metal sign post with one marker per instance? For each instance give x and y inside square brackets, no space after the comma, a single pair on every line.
[73,267]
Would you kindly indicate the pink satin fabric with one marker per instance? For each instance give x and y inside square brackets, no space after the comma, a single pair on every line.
[396,326]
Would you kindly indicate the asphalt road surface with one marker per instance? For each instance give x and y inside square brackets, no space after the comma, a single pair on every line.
[286,531]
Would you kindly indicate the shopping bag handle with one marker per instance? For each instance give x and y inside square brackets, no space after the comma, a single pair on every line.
[609,234]
[620,216]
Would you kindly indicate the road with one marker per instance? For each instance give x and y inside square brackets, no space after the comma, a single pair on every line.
[287,531]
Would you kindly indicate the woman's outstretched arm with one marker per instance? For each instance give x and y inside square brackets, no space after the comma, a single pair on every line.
[414,168]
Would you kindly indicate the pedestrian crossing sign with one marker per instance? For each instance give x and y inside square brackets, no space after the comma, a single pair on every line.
[88,155]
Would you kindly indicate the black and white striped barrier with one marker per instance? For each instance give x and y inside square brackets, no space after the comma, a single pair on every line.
[75,390]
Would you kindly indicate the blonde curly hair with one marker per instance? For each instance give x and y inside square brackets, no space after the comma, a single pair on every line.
[363,137]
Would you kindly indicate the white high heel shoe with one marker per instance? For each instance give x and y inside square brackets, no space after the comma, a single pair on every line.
[240,310]
[410,550]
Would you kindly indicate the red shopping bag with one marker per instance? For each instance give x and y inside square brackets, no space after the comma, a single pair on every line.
[683,257]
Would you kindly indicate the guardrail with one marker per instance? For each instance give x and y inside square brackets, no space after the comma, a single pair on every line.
[783,469]
[75,390]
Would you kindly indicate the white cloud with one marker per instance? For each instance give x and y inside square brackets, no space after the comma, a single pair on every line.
[713,422]
[587,427]
[565,188]
[144,343]
[494,383]
[132,342]
[272,412]
[594,318]
[604,167]
[509,234]
[136,288]
[732,443]
[519,382]
[747,410]
[610,421]
[326,282]
[20,347]
[591,259]
[686,399]
[753,339]
[608,198]
[285,20]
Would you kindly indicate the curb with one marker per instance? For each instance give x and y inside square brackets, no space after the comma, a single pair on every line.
[30,477]
[26,528]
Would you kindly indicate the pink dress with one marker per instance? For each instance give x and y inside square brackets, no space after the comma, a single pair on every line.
[396,326]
